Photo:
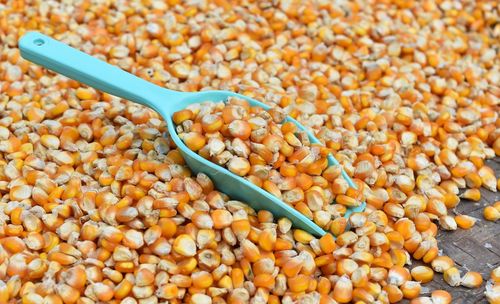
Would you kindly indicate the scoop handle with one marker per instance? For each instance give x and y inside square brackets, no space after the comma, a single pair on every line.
[77,65]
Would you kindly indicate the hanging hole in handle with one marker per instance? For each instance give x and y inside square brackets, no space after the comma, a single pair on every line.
[39,42]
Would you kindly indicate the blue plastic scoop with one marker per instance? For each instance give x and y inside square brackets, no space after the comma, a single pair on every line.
[63,59]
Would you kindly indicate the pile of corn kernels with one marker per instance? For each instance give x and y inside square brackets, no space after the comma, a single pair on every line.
[274,155]
[98,205]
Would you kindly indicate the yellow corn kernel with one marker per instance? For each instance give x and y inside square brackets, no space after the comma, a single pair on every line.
[411,289]
[431,254]
[184,245]
[347,201]
[442,263]
[495,275]
[167,291]
[302,236]
[452,276]
[201,279]
[327,243]
[488,178]
[491,213]
[13,244]
[472,194]
[75,277]
[250,251]
[221,218]
[422,274]
[181,116]
[394,294]
[338,226]
[451,200]
[15,216]
[194,140]
[441,296]
[473,180]
[472,279]
[272,188]
[299,283]
[267,240]
[68,293]
[465,221]
[239,166]
[264,280]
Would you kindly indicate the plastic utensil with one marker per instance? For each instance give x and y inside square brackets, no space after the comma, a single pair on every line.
[63,59]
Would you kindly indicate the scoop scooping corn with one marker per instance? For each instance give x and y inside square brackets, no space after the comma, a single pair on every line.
[273,154]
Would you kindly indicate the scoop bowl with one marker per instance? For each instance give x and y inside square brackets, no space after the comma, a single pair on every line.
[72,63]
